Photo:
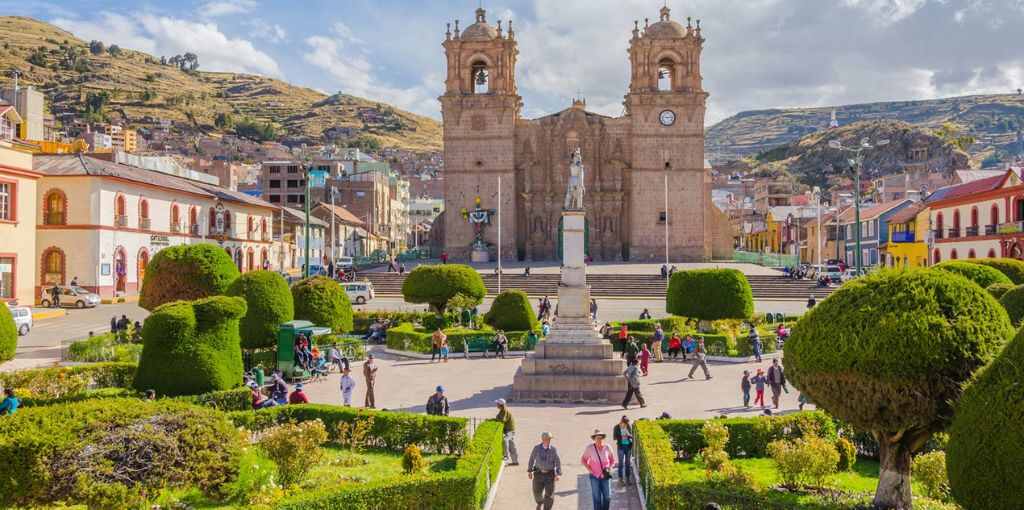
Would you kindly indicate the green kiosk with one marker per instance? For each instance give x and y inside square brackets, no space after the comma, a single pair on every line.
[286,334]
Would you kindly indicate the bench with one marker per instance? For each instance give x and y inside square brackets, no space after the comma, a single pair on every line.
[482,344]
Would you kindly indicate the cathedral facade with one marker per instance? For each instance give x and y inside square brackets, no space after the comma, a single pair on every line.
[629,159]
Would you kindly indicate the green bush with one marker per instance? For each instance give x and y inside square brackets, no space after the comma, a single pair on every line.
[90,452]
[390,430]
[405,337]
[986,442]
[64,382]
[104,347]
[1013,301]
[192,347]
[900,346]
[1012,268]
[8,335]
[710,294]
[748,437]
[805,462]
[323,302]
[236,399]
[268,304]
[511,311]
[930,471]
[295,448]
[186,272]
[412,460]
[999,289]
[436,285]
[847,454]
[978,273]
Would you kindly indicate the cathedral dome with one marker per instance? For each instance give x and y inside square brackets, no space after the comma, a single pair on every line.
[481,30]
[665,28]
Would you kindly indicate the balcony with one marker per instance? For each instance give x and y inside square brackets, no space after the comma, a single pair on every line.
[144,223]
[903,237]
[937,234]
[175,227]
[121,220]
[953,233]
[972,231]
[990,230]
[194,229]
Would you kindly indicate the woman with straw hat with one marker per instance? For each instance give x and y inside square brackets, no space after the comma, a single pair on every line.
[599,461]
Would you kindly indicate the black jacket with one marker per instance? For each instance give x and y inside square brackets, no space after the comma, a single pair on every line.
[771,374]
[437,406]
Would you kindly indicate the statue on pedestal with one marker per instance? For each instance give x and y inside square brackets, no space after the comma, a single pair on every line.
[574,192]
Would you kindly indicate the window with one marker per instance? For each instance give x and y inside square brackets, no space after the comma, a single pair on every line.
[292,183]
[970,254]
[991,253]
[952,254]
[53,267]
[275,199]
[662,217]
[360,194]
[6,277]
[120,212]
[481,78]
[293,199]
[55,208]
[293,169]
[936,256]
[6,201]
[275,183]
[994,213]
[275,169]
[665,74]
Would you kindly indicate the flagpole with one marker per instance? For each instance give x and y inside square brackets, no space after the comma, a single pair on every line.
[499,234]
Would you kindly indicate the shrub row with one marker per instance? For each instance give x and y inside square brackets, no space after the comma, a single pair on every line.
[464,488]
[405,337]
[748,437]
[57,382]
[362,320]
[238,399]
[391,430]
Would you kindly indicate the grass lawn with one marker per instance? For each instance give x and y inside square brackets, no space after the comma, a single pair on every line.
[862,479]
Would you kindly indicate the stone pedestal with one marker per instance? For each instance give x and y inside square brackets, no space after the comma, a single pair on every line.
[478,255]
[573,364]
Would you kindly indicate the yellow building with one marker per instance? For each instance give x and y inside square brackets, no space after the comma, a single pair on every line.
[17,225]
[908,238]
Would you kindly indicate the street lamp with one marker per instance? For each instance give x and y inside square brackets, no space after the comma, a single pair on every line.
[816,191]
[856,162]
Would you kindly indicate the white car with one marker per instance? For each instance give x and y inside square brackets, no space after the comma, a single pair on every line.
[346,263]
[358,292]
[22,319]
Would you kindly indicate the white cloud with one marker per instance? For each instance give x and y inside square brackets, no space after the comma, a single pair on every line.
[164,35]
[217,8]
[260,29]
[886,12]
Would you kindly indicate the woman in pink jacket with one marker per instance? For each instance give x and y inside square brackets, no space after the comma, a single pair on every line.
[599,461]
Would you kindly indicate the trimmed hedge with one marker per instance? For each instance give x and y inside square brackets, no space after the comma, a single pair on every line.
[710,294]
[986,444]
[268,304]
[466,487]
[38,447]
[437,284]
[391,430]
[749,437]
[978,273]
[238,399]
[1013,301]
[1012,268]
[186,272]
[8,335]
[323,302]
[361,320]
[57,382]
[405,337]
[511,311]
[998,290]
[192,347]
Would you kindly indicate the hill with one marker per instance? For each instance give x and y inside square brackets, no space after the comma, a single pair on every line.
[141,90]
[995,121]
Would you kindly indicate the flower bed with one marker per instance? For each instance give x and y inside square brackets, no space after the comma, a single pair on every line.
[406,337]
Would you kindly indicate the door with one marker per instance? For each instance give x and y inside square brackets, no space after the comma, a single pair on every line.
[120,270]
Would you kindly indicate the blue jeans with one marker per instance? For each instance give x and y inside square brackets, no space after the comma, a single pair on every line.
[624,456]
[601,491]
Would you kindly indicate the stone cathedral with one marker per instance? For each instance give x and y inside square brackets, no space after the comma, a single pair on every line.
[628,159]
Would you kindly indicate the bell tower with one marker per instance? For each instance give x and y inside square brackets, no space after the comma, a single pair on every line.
[479,109]
[666,106]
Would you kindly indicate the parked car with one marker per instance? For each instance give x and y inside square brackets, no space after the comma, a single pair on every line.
[346,263]
[22,319]
[358,292]
[833,273]
[70,297]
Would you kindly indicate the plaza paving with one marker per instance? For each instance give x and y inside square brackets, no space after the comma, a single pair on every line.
[473,385]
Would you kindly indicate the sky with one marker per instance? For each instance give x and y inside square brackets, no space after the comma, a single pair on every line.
[758,54]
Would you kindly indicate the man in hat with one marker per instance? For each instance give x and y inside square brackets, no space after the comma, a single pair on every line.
[437,404]
[509,430]
[298,396]
[544,468]
[599,461]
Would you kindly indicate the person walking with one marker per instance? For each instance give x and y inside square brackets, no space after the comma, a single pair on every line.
[623,436]
[656,341]
[777,381]
[699,360]
[370,374]
[437,404]
[645,359]
[623,338]
[544,468]
[759,381]
[675,344]
[435,344]
[755,343]
[745,388]
[55,296]
[509,430]
[599,461]
[348,384]
[444,257]
[632,374]
[593,309]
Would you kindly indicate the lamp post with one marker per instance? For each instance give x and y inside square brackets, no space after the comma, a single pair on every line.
[816,191]
[856,162]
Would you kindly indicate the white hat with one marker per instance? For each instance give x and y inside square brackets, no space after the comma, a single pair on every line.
[500,402]
[597,432]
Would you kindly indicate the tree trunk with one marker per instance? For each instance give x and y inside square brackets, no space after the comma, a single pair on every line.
[893,491]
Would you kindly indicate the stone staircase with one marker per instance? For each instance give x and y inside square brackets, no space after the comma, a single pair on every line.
[612,285]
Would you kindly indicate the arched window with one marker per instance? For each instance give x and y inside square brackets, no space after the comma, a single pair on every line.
[263,229]
[264,259]
[213,223]
[53,267]
[250,260]
[974,217]
[143,261]
[994,215]
[991,253]
[970,253]
[939,232]
[120,211]
[175,219]
[952,254]
[665,74]
[55,208]
[956,219]
[227,223]
[193,217]
[936,256]
[144,214]
[481,77]
[250,227]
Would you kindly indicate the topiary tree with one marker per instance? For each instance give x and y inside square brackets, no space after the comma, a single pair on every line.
[269,303]
[323,302]
[186,272]
[1012,268]
[986,442]
[192,347]
[8,335]
[710,294]
[1013,301]
[999,289]
[888,353]
[511,311]
[977,273]
[437,284]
